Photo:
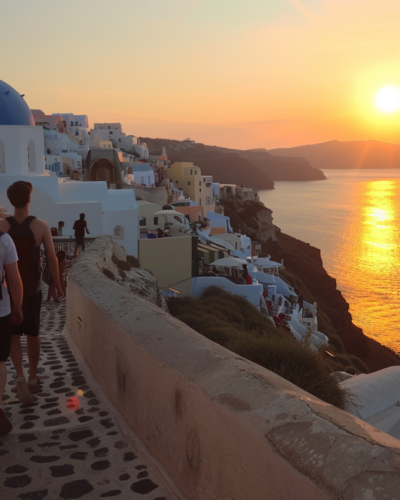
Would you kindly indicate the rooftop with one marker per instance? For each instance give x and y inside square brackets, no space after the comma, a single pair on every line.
[13,108]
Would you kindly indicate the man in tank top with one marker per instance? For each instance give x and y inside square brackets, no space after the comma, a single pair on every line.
[80,227]
[28,233]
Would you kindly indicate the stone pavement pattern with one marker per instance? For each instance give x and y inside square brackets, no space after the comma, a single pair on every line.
[66,445]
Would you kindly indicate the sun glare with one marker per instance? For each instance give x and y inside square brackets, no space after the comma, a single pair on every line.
[387,100]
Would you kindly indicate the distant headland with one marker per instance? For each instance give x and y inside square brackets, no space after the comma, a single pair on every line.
[345,154]
[256,168]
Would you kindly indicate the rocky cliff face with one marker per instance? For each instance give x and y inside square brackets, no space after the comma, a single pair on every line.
[304,261]
[250,217]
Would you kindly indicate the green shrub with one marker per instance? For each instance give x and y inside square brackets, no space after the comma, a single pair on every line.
[293,362]
[336,341]
[358,363]
[351,370]
[234,323]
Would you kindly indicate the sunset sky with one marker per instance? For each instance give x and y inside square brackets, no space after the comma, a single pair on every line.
[260,73]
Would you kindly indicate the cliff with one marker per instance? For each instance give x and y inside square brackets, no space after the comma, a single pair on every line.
[346,154]
[234,166]
[250,217]
[281,168]
[304,261]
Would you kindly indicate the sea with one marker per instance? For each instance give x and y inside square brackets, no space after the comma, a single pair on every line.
[353,217]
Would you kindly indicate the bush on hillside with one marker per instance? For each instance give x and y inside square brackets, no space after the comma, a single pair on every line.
[234,323]
[295,363]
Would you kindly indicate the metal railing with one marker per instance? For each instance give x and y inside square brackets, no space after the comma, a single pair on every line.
[68,245]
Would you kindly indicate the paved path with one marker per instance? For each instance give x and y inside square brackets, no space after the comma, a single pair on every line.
[67,444]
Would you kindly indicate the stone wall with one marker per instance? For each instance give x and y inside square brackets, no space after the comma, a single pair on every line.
[222,427]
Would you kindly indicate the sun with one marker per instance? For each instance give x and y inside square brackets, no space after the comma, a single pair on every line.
[387,100]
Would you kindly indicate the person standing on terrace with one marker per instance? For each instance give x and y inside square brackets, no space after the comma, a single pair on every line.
[8,263]
[28,233]
[80,226]
[60,228]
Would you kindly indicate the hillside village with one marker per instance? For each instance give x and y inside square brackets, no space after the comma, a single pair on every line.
[171,216]
[168,215]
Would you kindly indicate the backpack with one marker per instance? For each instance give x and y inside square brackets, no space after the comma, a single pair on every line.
[28,254]
[47,275]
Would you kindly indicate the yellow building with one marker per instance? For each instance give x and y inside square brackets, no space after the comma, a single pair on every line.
[195,186]
[171,260]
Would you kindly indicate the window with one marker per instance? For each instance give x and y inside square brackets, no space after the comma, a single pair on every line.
[142,221]
[178,218]
[188,183]
[195,172]
[208,200]
[199,201]
[191,172]
[31,156]
[199,183]
[156,221]
[119,140]
[200,190]
[176,182]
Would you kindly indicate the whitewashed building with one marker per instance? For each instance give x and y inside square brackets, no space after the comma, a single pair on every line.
[111,212]
[114,133]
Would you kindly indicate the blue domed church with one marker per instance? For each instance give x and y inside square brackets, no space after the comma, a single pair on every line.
[21,143]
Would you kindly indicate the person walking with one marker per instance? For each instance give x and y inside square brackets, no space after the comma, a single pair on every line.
[28,233]
[8,263]
[80,226]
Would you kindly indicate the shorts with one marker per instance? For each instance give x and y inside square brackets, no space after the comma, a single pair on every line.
[80,242]
[5,337]
[31,305]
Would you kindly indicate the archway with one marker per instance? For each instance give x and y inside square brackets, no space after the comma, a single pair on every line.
[102,170]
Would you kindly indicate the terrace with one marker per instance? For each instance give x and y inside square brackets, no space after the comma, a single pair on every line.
[71,443]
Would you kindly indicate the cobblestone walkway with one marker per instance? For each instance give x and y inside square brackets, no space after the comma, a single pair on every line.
[66,444]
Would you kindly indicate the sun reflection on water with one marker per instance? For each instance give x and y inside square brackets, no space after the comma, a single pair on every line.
[372,260]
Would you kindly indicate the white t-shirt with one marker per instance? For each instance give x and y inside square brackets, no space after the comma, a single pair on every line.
[8,255]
